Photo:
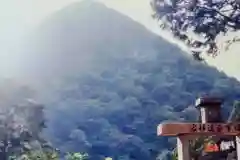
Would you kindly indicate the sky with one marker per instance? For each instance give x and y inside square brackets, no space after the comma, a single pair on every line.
[19,17]
[31,12]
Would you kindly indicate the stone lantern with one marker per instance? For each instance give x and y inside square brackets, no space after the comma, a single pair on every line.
[210,109]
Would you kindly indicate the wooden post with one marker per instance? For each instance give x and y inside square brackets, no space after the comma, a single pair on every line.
[183,148]
[238,147]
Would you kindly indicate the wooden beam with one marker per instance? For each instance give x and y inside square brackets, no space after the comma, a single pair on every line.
[175,129]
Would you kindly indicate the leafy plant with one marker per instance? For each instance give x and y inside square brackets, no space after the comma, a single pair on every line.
[40,155]
[77,156]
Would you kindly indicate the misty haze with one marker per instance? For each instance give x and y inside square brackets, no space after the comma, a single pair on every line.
[102,83]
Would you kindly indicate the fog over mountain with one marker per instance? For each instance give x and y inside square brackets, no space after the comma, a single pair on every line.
[107,82]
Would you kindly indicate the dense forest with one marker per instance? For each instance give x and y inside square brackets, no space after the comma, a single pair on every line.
[109,82]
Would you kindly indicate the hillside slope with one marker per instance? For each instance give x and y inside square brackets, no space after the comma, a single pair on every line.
[109,82]
[140,11]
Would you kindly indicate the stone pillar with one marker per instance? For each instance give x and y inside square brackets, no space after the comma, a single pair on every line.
[238,147]
[183,148]
[203,112]
[210,109]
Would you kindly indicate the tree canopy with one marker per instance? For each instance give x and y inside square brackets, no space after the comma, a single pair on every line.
[198,22]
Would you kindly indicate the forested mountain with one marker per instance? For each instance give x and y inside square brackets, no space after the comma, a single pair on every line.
[116,81]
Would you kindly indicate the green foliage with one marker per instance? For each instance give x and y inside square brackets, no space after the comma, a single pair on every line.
[174,155]
[40,155]
[77,156]
[13,157]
